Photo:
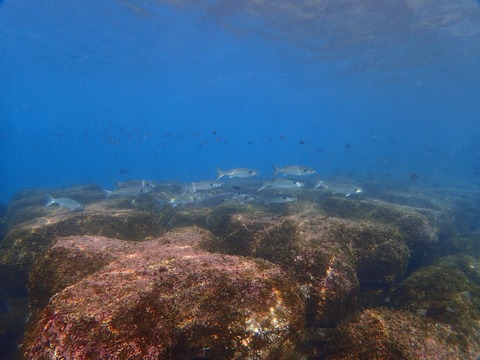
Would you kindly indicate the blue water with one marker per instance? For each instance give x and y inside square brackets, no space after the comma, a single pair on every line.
[93,92]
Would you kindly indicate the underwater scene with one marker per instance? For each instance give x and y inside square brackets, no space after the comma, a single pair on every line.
[240,179]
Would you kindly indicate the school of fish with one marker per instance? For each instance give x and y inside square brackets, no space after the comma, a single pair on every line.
[239,185]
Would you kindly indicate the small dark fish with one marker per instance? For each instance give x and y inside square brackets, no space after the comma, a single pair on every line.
[414,176]
[302,142]
[124,171]
[65,202]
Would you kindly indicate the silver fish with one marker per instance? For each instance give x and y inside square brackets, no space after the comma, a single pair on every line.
[293,170]
[320,183]
[135,183]
[201,186]
[238,172]
[282,183]
[128,191]
[65,202]
[343,189]
[215,199]
[278,199]
[242,198]
[184,200]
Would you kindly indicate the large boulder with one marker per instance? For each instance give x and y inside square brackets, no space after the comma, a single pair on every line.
[164,298]
[329,256]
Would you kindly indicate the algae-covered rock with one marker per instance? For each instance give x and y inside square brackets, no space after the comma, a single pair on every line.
[25,242]
[166,299]
[240,280]
[416,226]
[447,292]
[328,256]
[394,334]
[70,259]
[29,204]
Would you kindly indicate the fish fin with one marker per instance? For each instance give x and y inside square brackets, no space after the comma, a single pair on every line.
[220,174]
[275,170]
[50,200]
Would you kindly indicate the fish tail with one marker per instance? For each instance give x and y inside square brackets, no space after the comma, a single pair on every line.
[275,171]
[220,174]
[50,200]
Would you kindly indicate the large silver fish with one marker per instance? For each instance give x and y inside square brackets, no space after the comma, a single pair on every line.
[238,173]
[201,186]
[344,189]
[65,202]
[282,183]
[211,200]
[293,170]
[129,191]
[184,199]
[277,199]
[135,183]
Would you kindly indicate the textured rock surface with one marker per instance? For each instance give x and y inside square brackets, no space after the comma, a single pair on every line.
[125,279]
[329,256]
[447,292]
[25,242]
[387,334]
[165,299]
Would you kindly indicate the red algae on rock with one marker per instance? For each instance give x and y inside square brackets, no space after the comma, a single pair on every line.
[168,299]
[385,334]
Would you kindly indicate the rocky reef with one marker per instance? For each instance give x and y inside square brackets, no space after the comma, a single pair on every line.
[325,277]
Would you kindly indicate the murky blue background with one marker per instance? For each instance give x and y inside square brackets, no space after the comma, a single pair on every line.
[97,91]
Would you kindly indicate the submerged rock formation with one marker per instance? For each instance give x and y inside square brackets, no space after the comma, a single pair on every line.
[325,277]
[165,299]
